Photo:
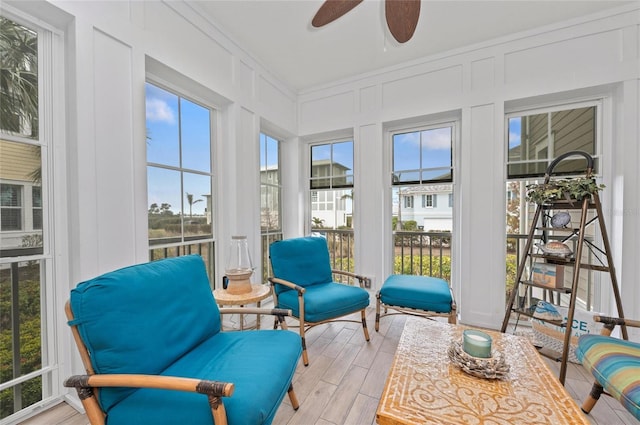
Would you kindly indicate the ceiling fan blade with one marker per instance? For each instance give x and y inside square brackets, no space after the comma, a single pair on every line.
[332,10]
[402,18]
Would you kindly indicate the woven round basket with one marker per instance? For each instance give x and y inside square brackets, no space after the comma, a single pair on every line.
[494,367]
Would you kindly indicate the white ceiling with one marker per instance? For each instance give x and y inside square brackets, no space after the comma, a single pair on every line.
[279,35]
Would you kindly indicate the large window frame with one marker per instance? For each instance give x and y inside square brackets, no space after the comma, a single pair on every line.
[270,187]
[330,198]
[34,259]
[422,165]
[201,239]
[518,211]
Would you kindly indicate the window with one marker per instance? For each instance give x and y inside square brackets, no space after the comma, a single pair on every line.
[11,205]
[331,184]
[179,175]
[428,201]
[408,201]
[36,207]
[534,139]
[331,199]
[29,370]
[422,170]
[270,196]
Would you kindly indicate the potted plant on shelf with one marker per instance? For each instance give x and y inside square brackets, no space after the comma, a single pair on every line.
[570,189]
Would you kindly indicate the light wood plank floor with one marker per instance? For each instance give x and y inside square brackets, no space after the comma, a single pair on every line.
[345,378]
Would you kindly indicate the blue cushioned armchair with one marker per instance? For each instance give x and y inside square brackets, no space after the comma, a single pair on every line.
[303,282]
[150,339]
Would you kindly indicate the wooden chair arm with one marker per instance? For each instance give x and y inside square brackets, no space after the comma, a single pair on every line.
[361,279]
[210,388]
[613,321]
[275,280]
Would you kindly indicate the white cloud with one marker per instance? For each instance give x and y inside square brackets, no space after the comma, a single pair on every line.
[438,139]
[514,139]
[159,110]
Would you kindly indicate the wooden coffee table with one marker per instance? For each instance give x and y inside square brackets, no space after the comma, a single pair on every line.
[424,387]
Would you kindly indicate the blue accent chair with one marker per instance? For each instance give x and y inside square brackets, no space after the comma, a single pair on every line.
[416,295]
[614,363]
[150,339]
[303,282]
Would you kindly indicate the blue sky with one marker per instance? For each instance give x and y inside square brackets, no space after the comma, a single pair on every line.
[515,125]
[163,113]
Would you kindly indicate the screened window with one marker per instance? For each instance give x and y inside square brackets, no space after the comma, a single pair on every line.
[536,139]
[179,173]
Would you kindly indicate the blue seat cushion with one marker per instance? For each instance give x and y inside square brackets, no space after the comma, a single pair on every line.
[615,364]
[303,261]
[418,292]
[141,318]
[325,301]
[261,364]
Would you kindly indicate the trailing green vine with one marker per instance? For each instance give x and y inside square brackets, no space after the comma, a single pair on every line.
[570,189]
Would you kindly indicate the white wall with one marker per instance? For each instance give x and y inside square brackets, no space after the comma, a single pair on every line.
[590,58]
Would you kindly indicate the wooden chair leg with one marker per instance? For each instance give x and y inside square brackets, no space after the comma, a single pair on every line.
[293,398]
[592,398]
[364,324]
[377,326]
[305,356]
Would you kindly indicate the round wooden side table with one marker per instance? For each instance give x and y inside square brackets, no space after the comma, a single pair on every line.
[258,293]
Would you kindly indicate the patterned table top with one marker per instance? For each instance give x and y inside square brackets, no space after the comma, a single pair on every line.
[424,387]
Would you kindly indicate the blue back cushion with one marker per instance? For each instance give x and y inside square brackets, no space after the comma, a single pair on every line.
[303,261]
[140,319]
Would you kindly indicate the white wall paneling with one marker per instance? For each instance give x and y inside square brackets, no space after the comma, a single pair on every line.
[114,151]
[371,222]
[327,113]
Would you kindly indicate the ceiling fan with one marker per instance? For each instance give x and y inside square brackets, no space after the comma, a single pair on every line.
[401,15]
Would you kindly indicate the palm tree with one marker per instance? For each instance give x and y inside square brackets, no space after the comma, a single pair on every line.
[18,78]
[190,201]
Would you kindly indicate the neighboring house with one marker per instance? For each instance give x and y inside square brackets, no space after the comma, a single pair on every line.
[430,206]
[333,207]
[20,195]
